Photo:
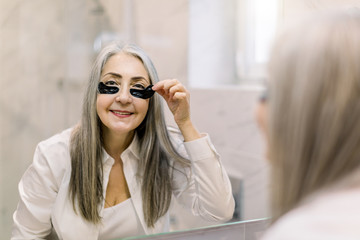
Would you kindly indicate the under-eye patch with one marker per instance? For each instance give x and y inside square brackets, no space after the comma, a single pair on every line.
[143,93]
[104,89]
[139,93]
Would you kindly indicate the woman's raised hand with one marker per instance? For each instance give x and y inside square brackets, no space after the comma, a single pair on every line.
[178,100]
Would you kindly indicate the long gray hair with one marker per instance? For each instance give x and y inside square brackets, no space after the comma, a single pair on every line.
[86,186]
[314,107]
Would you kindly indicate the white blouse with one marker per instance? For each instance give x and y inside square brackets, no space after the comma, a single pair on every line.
[45,206]
[120,221]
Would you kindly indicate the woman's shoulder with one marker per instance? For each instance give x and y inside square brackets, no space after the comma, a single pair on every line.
[55,151]
[322,217]
[58,142]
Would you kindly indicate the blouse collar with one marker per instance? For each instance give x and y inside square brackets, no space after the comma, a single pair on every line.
[133,148]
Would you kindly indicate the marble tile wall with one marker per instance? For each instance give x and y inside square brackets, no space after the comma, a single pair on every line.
[46,50]
[227,114]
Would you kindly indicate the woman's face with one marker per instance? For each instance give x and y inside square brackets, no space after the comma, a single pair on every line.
[122,113]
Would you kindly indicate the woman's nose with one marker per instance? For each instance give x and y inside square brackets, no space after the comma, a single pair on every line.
[124,96]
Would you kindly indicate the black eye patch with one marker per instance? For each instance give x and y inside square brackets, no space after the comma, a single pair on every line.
[143,93]
[139,93]
[104,89]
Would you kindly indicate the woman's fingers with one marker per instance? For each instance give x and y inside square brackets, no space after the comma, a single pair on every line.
[177,88]
[180,96]
[168,88]
[169,84]
[165,84]
[177,98]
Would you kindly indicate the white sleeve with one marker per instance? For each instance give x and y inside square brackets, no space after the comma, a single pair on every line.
[37,190]
[208,193]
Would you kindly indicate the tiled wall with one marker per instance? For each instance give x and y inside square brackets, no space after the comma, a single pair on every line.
[45,56]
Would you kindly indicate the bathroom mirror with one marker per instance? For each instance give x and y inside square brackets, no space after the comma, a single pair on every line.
[217,48]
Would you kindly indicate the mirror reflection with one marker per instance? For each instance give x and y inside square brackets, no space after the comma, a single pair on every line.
[115,173]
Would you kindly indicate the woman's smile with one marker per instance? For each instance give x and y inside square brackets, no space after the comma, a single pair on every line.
[122,113]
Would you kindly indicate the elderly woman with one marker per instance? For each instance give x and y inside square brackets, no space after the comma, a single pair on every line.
[115,174]
[311,120]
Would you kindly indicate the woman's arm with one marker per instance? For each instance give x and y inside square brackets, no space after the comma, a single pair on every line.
[38,189]
[204,187]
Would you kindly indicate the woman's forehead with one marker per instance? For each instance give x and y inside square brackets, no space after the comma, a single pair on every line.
[122,65]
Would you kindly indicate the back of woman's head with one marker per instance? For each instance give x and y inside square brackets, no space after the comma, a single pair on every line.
[314,106]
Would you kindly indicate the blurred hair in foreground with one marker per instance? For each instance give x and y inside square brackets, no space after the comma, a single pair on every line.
[314,108]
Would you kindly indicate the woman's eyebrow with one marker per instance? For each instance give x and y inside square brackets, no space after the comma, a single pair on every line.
[133,79]
[139,78]
[113,74]
[120,76]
